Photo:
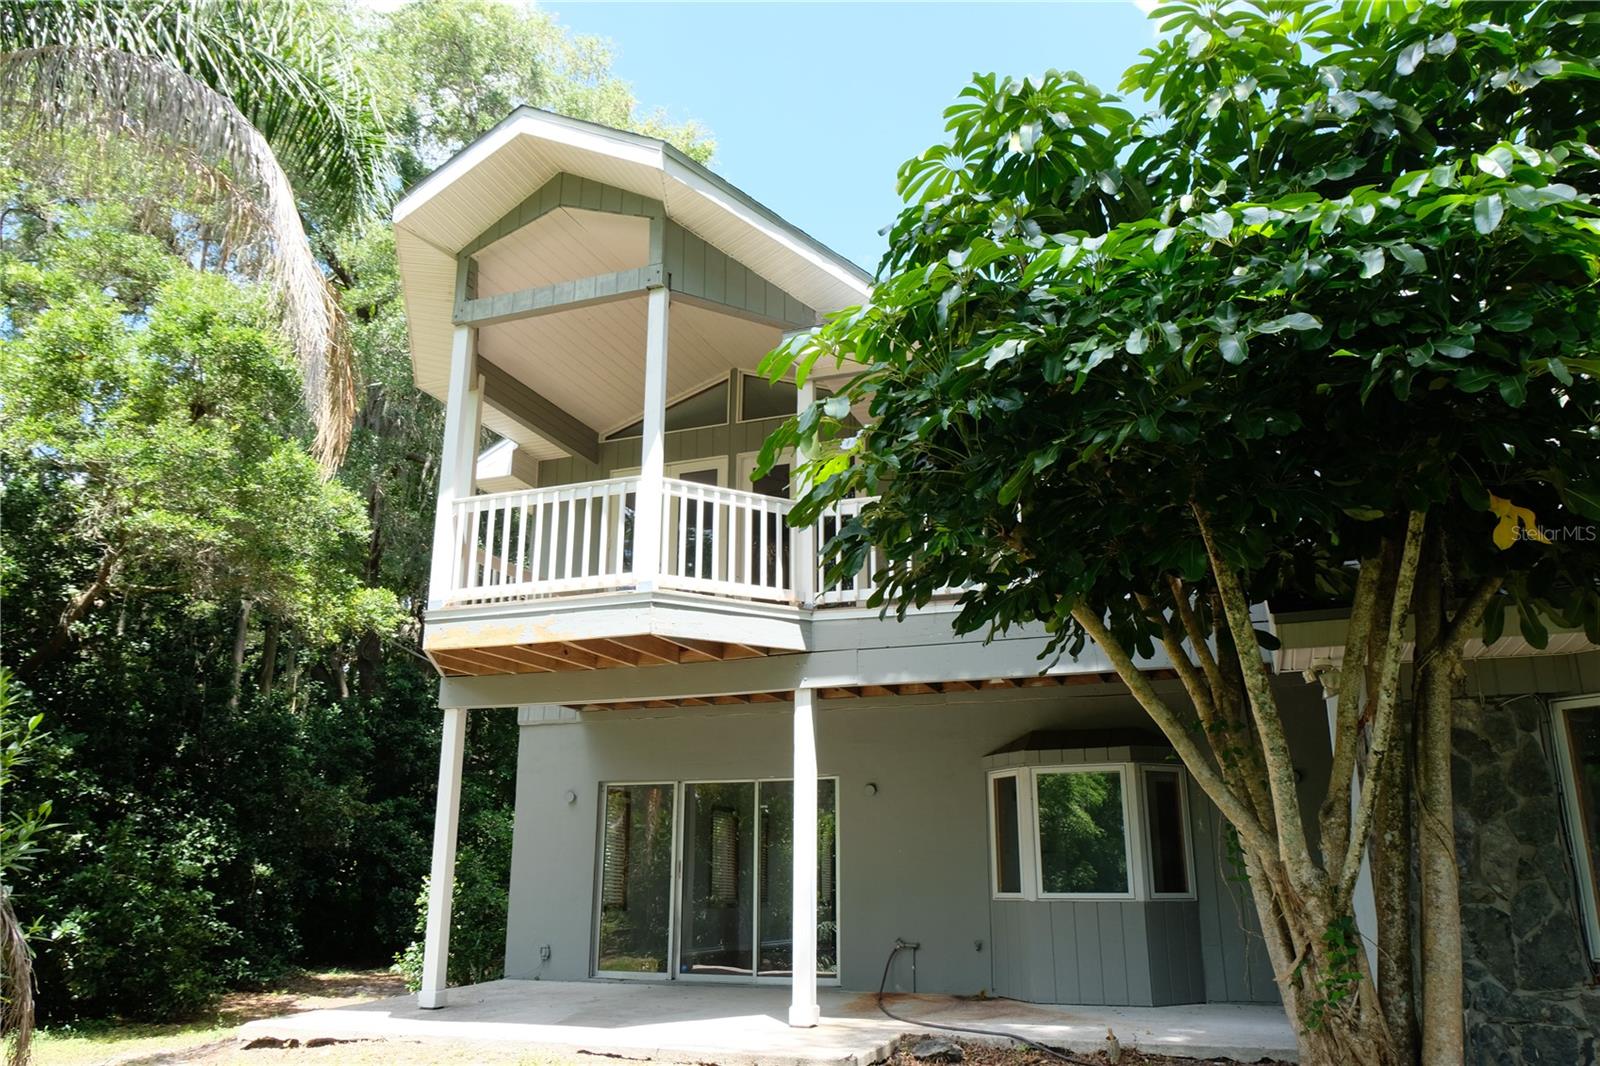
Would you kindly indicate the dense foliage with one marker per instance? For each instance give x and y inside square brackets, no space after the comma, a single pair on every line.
[1333,301]
[240,732]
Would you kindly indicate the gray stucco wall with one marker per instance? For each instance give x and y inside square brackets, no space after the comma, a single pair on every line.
[913,857]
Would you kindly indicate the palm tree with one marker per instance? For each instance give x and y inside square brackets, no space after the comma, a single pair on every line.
[242,102]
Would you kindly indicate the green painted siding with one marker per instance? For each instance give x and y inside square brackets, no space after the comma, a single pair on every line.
[726,441]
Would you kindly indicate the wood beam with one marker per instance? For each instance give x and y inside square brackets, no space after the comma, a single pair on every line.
[699,651]
[656,650]
[559,656]
[503,391]
[957,686]
[609,651]
[875,690]
[560,296]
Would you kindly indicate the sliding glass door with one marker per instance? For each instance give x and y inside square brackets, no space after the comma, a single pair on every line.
[722,910]
[636,879]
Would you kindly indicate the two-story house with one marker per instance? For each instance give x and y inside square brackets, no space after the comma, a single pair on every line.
[731,770]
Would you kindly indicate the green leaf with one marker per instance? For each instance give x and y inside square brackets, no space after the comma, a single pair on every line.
[1232,347]
[1298,320]
[1372,261]
[1514,389]
[1163,239]
[1217,224]
[1487,213]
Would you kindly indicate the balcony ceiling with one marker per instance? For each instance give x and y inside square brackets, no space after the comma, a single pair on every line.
[576,362]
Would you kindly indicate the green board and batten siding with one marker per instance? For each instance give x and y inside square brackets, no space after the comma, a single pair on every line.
[713,442]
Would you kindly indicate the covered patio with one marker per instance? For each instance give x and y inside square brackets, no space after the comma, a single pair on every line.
[730,1024]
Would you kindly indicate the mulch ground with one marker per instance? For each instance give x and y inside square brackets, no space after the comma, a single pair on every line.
[978,1054]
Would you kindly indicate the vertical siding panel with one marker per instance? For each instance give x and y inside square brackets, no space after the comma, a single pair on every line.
[1039,966]
[1064,944]
[1158,935]
[1131,919]
[1091,973]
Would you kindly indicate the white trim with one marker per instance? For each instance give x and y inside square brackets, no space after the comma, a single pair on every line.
[1144,771]
[1024,822]
[719,463]
[1583,849]
[747,466]
[1135,832]
[1129,852]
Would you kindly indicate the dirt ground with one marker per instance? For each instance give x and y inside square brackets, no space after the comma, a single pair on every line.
[212,1040]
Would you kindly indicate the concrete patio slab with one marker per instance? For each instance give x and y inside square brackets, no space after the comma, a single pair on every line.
[733,1025]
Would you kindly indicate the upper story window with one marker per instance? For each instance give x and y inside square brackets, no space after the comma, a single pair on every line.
[1577,742]
[708,407]
[1110,831]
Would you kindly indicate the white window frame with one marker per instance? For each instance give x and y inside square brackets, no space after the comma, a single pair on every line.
[1024,823]
[1135,830]
[719,463]
[1131,853]
[1145,771]
[1583,849]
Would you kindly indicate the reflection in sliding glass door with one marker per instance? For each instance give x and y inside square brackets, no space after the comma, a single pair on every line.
[636,879]
[718,902]
[775,892]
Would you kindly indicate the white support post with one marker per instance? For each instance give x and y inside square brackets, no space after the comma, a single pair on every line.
[653,446]
[442,878]
[803,1009]
[805,537]
[461,413]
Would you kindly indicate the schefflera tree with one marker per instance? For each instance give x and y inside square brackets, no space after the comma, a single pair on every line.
[1319,329]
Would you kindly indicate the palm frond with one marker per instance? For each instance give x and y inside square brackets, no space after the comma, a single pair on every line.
[279,61]
[198,137]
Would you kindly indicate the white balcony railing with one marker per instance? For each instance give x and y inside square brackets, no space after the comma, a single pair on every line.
[543,542]
[573,539]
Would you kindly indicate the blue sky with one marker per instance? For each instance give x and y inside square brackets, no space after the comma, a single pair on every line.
[815,105]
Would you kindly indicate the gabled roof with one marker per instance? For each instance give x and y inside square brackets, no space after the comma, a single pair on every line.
[447,210]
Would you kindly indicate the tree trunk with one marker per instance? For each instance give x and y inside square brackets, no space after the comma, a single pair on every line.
[1393,850]
[241,634]
[1443,1028]
[269,657]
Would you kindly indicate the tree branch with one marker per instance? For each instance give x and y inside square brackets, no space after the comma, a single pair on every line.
[1294,850]
[1384,714]
[1193,758]
[1347,711]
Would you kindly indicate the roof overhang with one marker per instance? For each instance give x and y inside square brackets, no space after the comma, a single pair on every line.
[458,202]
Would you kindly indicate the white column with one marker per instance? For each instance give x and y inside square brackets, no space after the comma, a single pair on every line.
[803,996]
[653,446]
[461,413]
[805,538]
[442,878]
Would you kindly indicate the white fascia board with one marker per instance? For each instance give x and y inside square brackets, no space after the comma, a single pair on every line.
[728,198]
[619,144]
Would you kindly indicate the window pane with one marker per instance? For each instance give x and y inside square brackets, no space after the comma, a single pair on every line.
[1583,734]
[1007,848]
[1169,873]
[718,848]
[636,878]
[708,407]
[775,888]
[1082,845]
[762,399]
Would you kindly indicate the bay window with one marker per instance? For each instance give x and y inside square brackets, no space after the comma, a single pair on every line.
[1107,831]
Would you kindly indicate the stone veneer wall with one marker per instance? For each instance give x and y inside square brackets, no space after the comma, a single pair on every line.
[1530,995]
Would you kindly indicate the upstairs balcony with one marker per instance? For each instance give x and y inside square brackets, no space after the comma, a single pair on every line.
[580,539]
